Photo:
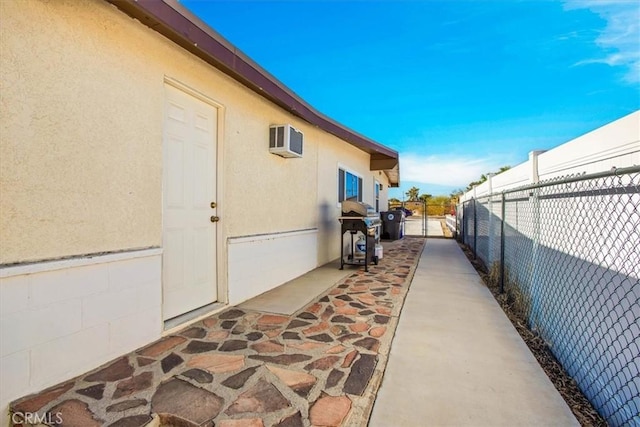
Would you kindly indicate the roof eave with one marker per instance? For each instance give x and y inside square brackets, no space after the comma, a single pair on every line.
[179,25]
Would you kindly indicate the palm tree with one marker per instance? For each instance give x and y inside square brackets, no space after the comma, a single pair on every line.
[413,193]
[424,198]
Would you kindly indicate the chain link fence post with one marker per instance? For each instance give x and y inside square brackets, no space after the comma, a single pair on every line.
[425,219]
[502,243]
[457,231]
[475,229]
[460,222]
[536,285]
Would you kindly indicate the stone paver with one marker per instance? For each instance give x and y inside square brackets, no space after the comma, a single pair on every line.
[329,411]
[246,422]
[191,403]
[294,379]
[242,367]
[75,413]
[263,397]
[34,403]
[118,370]
[217,363]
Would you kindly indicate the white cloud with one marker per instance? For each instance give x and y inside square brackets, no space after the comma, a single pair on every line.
[446,170]
[620,39]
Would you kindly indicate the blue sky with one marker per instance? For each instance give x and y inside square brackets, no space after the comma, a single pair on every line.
[459,88]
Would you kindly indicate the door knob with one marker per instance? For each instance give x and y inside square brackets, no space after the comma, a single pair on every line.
[215,218]
[213,205]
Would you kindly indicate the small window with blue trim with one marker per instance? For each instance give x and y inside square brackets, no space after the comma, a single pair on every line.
[349,186]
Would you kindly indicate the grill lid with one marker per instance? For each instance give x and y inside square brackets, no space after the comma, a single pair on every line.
[353,208]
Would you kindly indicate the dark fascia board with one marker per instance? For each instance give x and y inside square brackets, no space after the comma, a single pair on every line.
[175,22]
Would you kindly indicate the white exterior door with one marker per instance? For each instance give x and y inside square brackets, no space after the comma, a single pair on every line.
[189,189]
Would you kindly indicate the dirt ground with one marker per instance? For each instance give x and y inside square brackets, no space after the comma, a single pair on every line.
[580,406]
[445,229]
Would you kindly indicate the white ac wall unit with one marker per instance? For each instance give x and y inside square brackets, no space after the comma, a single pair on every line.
[285,141]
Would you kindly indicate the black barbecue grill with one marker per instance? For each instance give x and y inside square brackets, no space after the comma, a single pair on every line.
[358,217]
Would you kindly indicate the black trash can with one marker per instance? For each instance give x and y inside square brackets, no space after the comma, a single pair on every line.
[392,224]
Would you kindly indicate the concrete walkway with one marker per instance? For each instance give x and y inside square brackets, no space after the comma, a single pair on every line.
[434,228]
[414,227]
[295,294]
[456,360]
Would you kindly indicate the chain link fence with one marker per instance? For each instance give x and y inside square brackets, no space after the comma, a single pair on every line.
[568,250]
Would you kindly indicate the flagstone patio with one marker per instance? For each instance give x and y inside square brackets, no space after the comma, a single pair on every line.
[320,366]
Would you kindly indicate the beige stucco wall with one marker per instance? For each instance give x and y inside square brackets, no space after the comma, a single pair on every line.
[266,193]
[80,159]
[334,154]
[82,100]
